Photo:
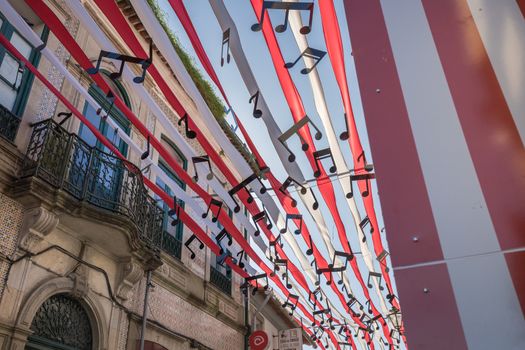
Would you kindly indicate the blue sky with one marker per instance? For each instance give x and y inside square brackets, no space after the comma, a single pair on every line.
[258,55]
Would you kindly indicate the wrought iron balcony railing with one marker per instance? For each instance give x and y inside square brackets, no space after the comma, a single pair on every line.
[171,245]
[219,280]
[9,124]
[67,162]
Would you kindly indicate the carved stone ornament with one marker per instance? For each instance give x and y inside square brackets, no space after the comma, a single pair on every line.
[63,320]
[131,272]
[37,223]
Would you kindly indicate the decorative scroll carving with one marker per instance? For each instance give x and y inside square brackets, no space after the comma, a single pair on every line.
[62,319]
[37,223]
[130,272]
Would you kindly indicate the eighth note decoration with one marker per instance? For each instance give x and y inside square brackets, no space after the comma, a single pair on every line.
[314,54]
[144,62]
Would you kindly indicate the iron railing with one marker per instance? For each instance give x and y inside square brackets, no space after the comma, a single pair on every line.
[171,245]
[67,162]
[221,281]
[9,124]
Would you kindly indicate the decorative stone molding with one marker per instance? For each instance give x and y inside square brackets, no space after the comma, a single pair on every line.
[131,272]
[37,223]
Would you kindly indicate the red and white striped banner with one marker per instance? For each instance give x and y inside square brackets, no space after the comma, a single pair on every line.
[442,85]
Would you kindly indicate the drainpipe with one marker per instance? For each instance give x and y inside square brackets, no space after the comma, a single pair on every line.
[145,312]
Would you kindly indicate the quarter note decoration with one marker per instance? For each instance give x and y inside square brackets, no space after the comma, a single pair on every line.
[291,300]
[144,62]
[221,236]
[225,41]
[188,243]
[216,203]
[368,167]
[293,217]
[345,134]
[320,155]
[175,211]
[243,185]
[294,130]
[263,215]
[257,113]
[375,275]
[240,256]
[201,159]
[287,6]
[146,152]
[314,54]
[189,133]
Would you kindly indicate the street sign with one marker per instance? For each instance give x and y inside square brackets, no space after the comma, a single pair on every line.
[258,340]
[291,339]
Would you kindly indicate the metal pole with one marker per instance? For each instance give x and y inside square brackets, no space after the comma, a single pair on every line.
[145,312]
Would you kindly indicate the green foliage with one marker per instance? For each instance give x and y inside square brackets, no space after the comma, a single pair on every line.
[211,99]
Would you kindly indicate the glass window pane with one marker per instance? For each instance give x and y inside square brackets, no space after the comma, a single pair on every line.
[21,45]
[9,69]
[7,95]
[86,134]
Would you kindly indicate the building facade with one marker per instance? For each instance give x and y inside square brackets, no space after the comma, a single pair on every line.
[79,230]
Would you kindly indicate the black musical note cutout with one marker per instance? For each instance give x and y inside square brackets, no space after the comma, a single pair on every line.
[146,152]
[216,203]
[353,301]
[314,295]
[368,167]
[316,268]
[263,215]
[310,250]
[315,205]
[240,256]
[333,268]
[287,184]
[321,312]
[315,336]
[144,62]
[309,52]
[66,116]
[363,223]
[110,97]
[378,276]
[345,290]
[277,264]
[293,217]
[294,130]
[201,159]
[225,40]
[381,258]
[360,177]
[368,302]
[221,236]
[146,170]
[320,155]
[345,134]
[243,185]
[257,113]
[343,328]
[274,244]
[174,211]
[287,6]
[189,241]
[189,133]
[345,344]
[292,304]
[246,284]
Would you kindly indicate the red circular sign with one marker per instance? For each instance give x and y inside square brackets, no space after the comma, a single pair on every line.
[258,340]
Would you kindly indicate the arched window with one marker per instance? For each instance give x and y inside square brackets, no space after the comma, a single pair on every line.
[172,234]
[61,323]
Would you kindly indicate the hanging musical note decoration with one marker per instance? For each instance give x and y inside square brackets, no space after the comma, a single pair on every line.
[291,300]
[188,243]
[216,203]
[263,215]
[198,160]
[295,130]
[174,211]
[311,53]
[297,217]
[287,7]
[257,113]
[189,133]
[243,185]
[223,234]
[146,152]
[143,62]
[320,155]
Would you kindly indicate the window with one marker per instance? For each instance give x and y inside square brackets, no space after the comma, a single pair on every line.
[15,81]
[172,239]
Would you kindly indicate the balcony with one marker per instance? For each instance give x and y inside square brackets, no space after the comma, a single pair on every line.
[219,280]
[69,164]
[171,245]
[9,124]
